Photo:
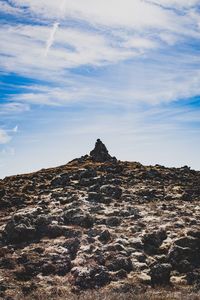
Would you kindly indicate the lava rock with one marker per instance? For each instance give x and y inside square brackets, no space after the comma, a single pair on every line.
[19,233]
[104,236]
[72,246]
[90,277]
[113,221]
[152,241]
[160,274]
[188,242]
[120,263]
[88,173]
[111,191]
[60,181]
[78,217]
[100,153]
[2,191]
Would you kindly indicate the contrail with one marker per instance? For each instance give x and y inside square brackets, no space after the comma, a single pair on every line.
[50,41]
[51,38]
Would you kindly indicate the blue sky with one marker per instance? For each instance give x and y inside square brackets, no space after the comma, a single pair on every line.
[127,72]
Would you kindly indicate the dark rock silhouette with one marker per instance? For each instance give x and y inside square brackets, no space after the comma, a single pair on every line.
[100,153]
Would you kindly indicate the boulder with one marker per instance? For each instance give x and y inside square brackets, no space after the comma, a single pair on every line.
[95,197]
[104,236]
[188,242]
[193,277]
[113,221]
[60,181]
[58,267]
[160,274]
[119,263]
[152,241]
[90,277]
[18,232]
[88,173]
[111,191]
[78,217]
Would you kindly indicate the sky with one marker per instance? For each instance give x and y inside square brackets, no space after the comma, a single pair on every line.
[125,71]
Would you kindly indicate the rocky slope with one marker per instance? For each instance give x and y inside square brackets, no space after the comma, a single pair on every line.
[97,222]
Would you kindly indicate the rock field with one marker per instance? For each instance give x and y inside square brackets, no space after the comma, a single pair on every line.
[97,222]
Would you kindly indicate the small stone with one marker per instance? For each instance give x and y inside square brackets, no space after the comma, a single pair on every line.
[113,221]
[104,236]
[111,191]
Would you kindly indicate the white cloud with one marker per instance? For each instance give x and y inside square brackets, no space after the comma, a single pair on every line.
[141,43]
[8,9]
[135,14]
[175,3]
[4,137]
[117,31]
[13,107]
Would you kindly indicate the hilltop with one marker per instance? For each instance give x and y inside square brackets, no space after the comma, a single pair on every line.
[100,223]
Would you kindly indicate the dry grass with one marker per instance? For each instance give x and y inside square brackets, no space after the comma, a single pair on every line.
[65,294]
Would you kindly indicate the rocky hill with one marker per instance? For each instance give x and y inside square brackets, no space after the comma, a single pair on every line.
[97,222]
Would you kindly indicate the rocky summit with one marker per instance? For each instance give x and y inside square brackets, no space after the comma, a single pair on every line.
[100,223]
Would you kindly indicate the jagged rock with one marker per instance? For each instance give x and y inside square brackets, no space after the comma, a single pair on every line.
[60,181]
[90,277]
[18,231]
[113,221]
[188,242]
[100,153]
[193,277]
[178,254]
[184,266]
[78,217]
[58,267]
[160,274]
[104,236]
[95,197]
[88,173]
[120,263]
[2,191]
[111,191]
[152,241]
[53,231]
[194,233]
[72,245]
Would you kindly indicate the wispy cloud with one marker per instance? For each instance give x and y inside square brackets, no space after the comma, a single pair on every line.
[55,27]
[14,107]
[123,62]
[4,137]
[51,38]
